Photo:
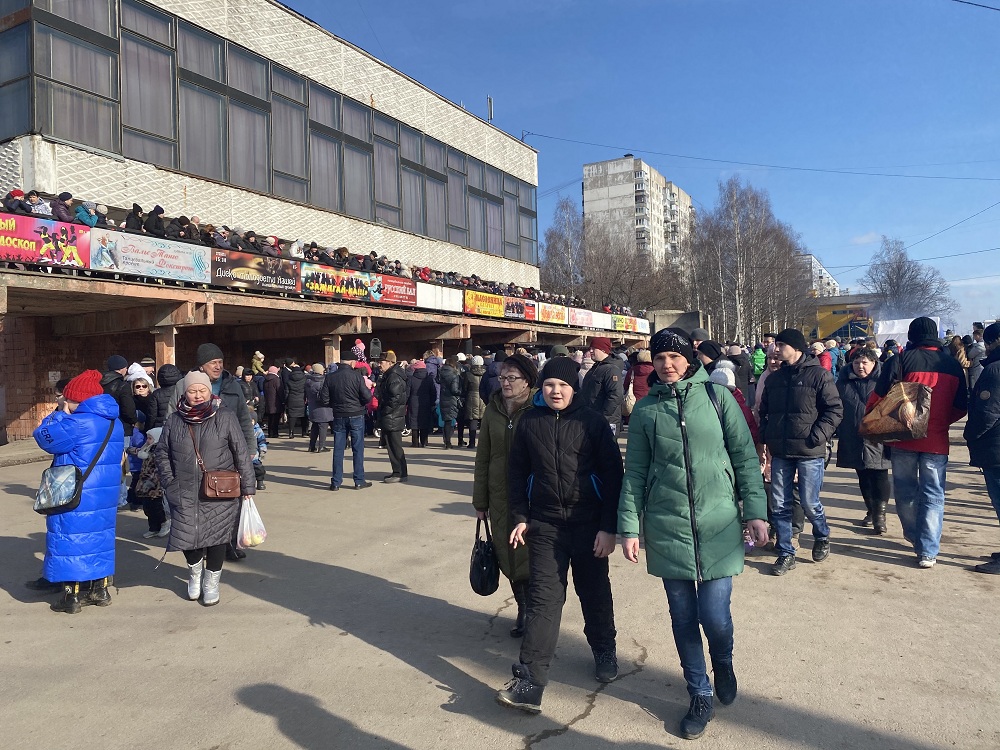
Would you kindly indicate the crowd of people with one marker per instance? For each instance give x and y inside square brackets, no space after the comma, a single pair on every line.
[726,450]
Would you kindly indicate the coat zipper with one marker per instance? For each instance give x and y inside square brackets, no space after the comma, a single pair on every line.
[690,482]
[562,504]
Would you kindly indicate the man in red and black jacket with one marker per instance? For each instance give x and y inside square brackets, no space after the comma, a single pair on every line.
[919,466]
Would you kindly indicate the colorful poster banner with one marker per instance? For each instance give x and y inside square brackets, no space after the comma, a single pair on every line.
[248,271]
[142,255]
[392,290]
[623,323]
[25,239]
[338,283]
[558,314]
[481,303]
[516,308]
[582,318]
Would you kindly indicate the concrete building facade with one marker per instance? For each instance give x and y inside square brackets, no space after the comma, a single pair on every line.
[822,282]
[638,204]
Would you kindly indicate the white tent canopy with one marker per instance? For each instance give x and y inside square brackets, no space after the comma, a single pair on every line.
[896,330]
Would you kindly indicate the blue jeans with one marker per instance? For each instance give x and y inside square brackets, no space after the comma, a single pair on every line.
[356,426]
[992,476]
[918,484]
[810,481]
[706,605]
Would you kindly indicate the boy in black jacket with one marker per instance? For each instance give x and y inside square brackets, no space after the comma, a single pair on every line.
[564,478]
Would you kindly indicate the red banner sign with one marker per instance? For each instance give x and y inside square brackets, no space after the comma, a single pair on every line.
[392,290]
[24,239]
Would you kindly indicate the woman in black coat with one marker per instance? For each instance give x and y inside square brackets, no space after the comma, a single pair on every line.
[295,401]
[451,391]
[421,396]
[154,223]
[870,460]
[274,401]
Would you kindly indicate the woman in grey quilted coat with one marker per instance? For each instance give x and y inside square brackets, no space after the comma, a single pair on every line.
[201,528]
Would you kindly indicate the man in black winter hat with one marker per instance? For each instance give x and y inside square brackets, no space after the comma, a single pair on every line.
[800,410]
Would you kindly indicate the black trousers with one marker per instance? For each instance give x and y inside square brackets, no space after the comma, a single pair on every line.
[552,551]
[297,424]
[273,425]
[394,444]
[418,437]
[473,429]
[874,487]
[153,508]
[317,435]
[449,432]
[214,556]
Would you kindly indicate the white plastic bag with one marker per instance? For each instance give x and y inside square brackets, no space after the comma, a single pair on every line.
[252,531]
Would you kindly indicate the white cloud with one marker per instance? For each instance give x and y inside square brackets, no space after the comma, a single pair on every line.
[866,239]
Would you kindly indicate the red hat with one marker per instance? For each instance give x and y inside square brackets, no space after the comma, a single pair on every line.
[83,386]
[602,343]
[17,193]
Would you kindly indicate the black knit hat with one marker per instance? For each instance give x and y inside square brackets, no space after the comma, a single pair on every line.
[564,369]
[794,338]
[525,365]
[711,349]
[991,333]
[208,352]
[923,331]
[672,340]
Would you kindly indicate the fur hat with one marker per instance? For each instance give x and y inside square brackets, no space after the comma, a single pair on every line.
[723,376]
[643,357]
[83,386]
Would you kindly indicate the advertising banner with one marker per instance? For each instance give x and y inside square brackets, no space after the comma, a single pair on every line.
[142,255]
[24,239]
[558,314]
[392,290]
[481,303]
[642,325]
[338,283]
[248,271]
[623,323]
[582,318]
[516,308]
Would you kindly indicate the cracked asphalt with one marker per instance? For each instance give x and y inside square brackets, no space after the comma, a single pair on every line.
[354,626]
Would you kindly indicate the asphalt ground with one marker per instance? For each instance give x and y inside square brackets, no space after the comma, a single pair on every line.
[354,626]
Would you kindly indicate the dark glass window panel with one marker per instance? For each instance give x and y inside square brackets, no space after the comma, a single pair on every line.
[492,181]
[437,209]
[203,132]
[494,228]
[288,137]
[324,106]
[357,182]
[527,196]
[76,63]
[288,84]
[512,251]
[511,226]
[477,222]
[290,187]
[325,168]
[148,87]
[413,202]
[411,145]
[14,109]
[247,72]
[529,253]
[357,120]
[529,227]
[76,116]
[200,52]
[98,15]
[10,6]
[387,215]
[456,160]
[476,176]
[386,128]
[149,22]
[248,154]
[14,53]
[146,148]
[458,236]
[456,200]
[386,173]
[509,184]
[434,155]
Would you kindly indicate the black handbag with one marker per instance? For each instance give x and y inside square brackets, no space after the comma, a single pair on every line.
[484,571]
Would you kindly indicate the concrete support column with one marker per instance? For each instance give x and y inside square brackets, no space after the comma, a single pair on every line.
[165,351]
[331,349]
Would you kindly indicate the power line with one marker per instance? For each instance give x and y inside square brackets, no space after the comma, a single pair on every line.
[377,40]
[976,5]
[857,173]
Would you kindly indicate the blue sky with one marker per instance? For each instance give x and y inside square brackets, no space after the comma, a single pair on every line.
[889,86]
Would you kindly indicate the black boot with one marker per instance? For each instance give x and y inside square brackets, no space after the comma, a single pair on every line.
[520,589]
[99,596]
[878,518]
[70,602]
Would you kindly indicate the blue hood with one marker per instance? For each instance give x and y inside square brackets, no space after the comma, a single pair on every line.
[103,406]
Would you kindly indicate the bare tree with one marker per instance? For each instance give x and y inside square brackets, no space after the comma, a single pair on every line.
[906,288]
[562,251]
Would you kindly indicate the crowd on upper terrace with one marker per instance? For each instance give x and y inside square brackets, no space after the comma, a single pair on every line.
[194,230]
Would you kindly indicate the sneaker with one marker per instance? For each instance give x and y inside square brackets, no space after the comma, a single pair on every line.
[363,486]
[992,567]
[149,534]
[391,479]
[521,692]
[783,564]
[164,529]
[725,682]
[925,562]
[606,666]
[821,549]
[699,714]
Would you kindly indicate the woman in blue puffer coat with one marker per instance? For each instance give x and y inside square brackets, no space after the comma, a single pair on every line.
[80,543]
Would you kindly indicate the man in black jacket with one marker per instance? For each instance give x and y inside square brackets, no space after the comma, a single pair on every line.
[602,387]
[800,410]
[345,392]
[564,477]
[391,395]
[982,430]
[114,384]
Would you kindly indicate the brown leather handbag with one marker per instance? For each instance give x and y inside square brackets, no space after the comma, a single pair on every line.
[221,484]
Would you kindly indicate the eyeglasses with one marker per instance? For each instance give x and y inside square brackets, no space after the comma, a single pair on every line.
[510,378]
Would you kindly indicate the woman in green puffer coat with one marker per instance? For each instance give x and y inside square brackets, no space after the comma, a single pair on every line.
[693,476]
[489,493]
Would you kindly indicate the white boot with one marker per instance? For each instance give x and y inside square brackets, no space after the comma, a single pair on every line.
[194,580]
[210,587]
